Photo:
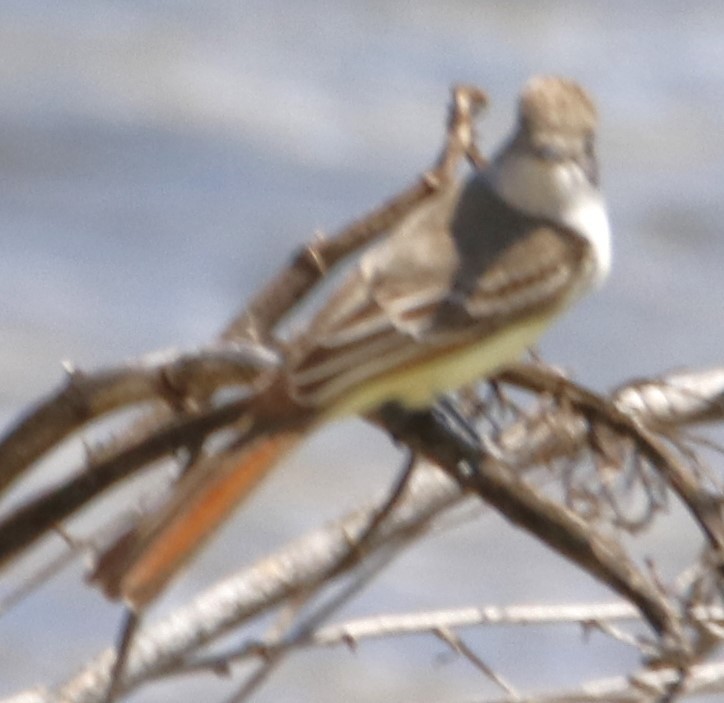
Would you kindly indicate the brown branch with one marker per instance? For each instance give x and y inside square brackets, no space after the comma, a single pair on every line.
[704,507]
[295,568]
[27,523]
[667,402]
[232,602]
[459,646]
[313,261]
[174,378]
[539,438]
[683,397]
[559,528]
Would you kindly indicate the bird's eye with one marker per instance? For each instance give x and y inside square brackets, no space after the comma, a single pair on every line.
[588,161]
[550,152]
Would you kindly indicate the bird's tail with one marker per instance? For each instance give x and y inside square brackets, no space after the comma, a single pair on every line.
[145,558]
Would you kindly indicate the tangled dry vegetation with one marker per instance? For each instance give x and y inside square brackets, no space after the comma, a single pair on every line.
[575,469]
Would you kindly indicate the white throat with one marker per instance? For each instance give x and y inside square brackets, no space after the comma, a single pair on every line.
[560,192]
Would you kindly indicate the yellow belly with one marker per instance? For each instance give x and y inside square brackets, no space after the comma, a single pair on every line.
[419,385]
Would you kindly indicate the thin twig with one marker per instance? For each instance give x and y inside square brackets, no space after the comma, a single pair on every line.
[705,510]
[559,528]
[312,262]
[276,651]
[458,645]
[158,647]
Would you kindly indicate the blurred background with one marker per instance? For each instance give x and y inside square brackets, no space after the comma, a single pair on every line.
[159,160]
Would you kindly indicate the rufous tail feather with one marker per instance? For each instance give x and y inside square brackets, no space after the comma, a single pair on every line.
[142,561]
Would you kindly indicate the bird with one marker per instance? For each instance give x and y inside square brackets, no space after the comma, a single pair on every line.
[459,289]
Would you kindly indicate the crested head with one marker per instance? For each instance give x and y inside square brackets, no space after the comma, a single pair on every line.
[550,105]
[557,122]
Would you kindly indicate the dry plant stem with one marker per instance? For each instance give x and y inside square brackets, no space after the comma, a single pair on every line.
[128,629]
[554,433]
[667,402]
[542,437]
[559,528]
[274,652]
[158,647]
[705,509]
[392,625]
[459,646]
[559,433]
[173,378]
[646,686]
[313,261]
[232,602]
[676,398]
[350,633]
[57,563]
[22,526]
[296,568]
[357,548]
[83,399]
[281,646]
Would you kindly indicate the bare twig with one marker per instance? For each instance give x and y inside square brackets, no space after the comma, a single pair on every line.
[294,569]
[286,290]
[27,523]
[645,686]
[277,649]
[559,528]
[677,398]
[458,645]
[392,625]
[705,509]
[171,377]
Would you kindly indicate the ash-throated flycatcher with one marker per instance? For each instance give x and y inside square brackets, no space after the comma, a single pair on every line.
[458,290]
